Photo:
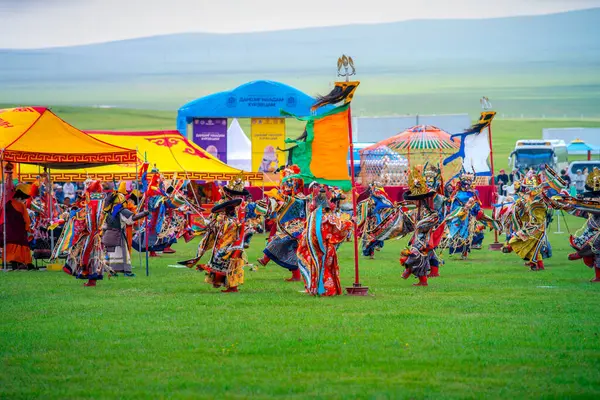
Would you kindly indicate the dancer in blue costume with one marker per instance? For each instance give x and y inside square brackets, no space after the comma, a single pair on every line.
[290,220]
[159,202]
[465,209]
[377,207]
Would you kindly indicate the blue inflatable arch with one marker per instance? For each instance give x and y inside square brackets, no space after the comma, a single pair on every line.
[257,99]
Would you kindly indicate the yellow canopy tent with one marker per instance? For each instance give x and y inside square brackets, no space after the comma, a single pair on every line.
[172,154]
[35,135]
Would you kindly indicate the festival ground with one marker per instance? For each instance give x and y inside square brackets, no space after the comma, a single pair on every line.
[487,326]
[506,131]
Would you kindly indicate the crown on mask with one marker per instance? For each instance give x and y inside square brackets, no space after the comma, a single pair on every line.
[593,180]
[237,184]
[416,182]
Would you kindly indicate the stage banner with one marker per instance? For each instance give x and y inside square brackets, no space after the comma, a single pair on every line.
[267,135]
[211,135]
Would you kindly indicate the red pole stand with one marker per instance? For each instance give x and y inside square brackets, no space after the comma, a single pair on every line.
[496,246]
[356,289]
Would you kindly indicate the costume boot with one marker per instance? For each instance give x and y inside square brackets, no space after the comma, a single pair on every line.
[597,277]
[153,254]
[232,289]
[168,250]
[434,272]
[406,273]
[540,265]
[422,281]
[575,256]
[90,283]
[264,260]
[188,237]
[67,270]
[296,277]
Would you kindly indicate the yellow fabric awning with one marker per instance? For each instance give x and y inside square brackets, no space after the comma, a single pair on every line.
[35,135]
[172,154]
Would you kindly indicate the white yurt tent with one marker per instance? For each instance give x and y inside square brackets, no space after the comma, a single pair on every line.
[239,149]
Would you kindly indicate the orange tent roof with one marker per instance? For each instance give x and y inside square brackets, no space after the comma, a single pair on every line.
[172,154]
[35,135]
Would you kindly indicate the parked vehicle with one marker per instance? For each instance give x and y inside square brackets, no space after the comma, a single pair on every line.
[537,153]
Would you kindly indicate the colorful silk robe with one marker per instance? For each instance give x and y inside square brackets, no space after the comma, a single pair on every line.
[282,247]
[317,255]
[529,237]
[224,238]
[81,240]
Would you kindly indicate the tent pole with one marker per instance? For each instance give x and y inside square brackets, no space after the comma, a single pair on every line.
[146,231]
[356,289]
[4,264]
[51,212]
[138,184]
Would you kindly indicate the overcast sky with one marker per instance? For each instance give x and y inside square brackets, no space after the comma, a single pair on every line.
[49,23]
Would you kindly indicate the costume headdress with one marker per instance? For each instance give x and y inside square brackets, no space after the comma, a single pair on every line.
[418,189]
[226,206]
[22,191]
[433,177]
[466,178]
[592,183]
[235,187]
[321,196]
[122,188]
[291,182]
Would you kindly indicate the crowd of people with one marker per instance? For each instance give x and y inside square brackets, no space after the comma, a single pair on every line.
[505,182]
[99,224]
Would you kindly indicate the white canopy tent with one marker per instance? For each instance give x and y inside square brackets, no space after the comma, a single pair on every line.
[239,148]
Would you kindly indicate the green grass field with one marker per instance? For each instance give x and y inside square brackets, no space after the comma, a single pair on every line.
[488,328]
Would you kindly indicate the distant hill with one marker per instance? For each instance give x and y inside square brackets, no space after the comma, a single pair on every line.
[419,45]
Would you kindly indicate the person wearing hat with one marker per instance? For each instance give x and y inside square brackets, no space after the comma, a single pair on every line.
[529,238]
[224,238]
[419,258]
[253,221]
[465,207]
[114,237]
[587,205]
[317,247]
[290,217]
[155,226]
[378,204]
[85,257]
[18,226]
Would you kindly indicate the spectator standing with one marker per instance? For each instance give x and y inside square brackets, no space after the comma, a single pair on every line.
[565,177]
[70,190]
[515,176]
[502,180]
[579,182]
[59,195]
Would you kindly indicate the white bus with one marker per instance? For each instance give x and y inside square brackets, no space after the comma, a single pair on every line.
[536,153]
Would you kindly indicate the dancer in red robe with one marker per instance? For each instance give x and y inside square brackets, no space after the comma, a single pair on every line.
[317,247]
[18,226]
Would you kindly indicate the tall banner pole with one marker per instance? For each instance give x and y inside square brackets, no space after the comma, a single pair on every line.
[356,289]
[496,246]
